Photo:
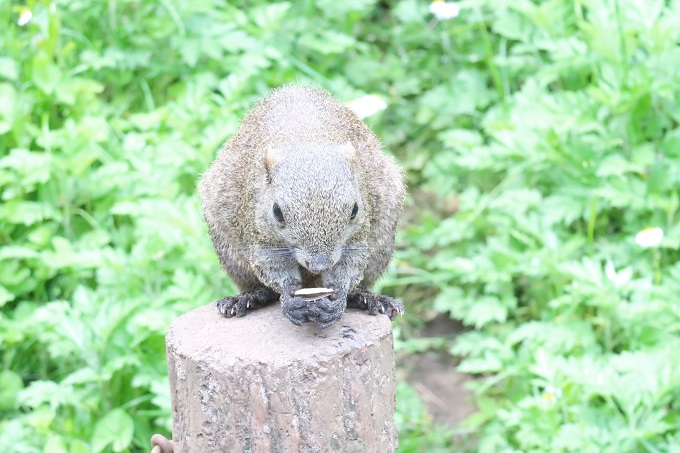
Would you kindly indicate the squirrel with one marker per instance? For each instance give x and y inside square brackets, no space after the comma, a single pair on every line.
[303,196]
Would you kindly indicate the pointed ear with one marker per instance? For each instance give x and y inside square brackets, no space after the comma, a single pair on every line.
[348,150]
[271,157]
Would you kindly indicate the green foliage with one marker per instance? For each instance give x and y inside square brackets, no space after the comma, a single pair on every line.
[570,150]
[538,137]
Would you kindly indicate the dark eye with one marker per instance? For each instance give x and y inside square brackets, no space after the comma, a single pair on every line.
[355,211]
[278,215]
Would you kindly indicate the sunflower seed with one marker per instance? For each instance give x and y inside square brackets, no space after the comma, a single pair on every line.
[312,294]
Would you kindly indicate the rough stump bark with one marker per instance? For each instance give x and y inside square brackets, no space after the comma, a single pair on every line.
[261,384]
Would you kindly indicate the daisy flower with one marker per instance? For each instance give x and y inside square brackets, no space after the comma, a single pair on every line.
[444,10]
[551,394]
[368,105]
[25,17]
[649,237]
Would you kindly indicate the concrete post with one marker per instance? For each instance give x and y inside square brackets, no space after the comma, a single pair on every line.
[261,384]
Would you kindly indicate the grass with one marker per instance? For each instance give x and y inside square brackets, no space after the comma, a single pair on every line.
[538,137]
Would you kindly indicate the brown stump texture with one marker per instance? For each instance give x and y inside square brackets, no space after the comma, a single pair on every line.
[261,384]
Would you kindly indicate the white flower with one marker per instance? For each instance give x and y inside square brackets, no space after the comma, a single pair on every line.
[649,237]
[550,394]
[25,17]
[444,10]
[368,105]
[620,278]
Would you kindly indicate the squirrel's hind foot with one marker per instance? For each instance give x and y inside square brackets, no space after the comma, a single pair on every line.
[238,305]
[375,304]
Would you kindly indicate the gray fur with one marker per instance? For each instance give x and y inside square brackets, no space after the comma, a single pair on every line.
[312,156]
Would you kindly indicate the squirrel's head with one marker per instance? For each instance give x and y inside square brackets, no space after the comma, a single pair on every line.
[311,201]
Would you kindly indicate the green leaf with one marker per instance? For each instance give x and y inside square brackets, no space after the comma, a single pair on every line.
[41,392]
[69,89]
[327,42]
[485,364]
[13,274]
[46,75]
[32,167]
[332,8]
[5,296]
[8,102]
[115,429]
[79,446]
[485,310]
[662,176]
[10,385]
[27,212]
[55,444]
[271,15]
[9,68]
[409,11]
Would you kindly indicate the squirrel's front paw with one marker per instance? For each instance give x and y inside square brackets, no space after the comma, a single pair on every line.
[375,304]
[323,312]
[295,309]
[237,305]
[234,305]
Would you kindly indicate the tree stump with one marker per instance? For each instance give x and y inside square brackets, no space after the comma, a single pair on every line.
[261,384]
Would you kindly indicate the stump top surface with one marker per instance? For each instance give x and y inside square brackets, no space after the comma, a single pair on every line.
[266,336]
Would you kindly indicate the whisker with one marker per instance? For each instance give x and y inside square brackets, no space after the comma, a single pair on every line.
[273,248]
[373,247]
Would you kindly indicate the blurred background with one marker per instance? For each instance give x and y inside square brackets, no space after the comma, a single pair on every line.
[538,253]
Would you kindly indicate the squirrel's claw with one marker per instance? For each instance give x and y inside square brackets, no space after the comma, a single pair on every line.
[238,305]
[375,304]
[234,305]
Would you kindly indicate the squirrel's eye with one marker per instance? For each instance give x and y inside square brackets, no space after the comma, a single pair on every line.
[355,211]
[278,215]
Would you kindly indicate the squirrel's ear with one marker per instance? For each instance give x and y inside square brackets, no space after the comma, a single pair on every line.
[348,150]
[270,159]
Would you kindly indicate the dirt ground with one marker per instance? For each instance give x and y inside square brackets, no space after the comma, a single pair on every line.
[434,376]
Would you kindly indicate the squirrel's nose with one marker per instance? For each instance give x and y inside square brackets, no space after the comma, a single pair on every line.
[318,264]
